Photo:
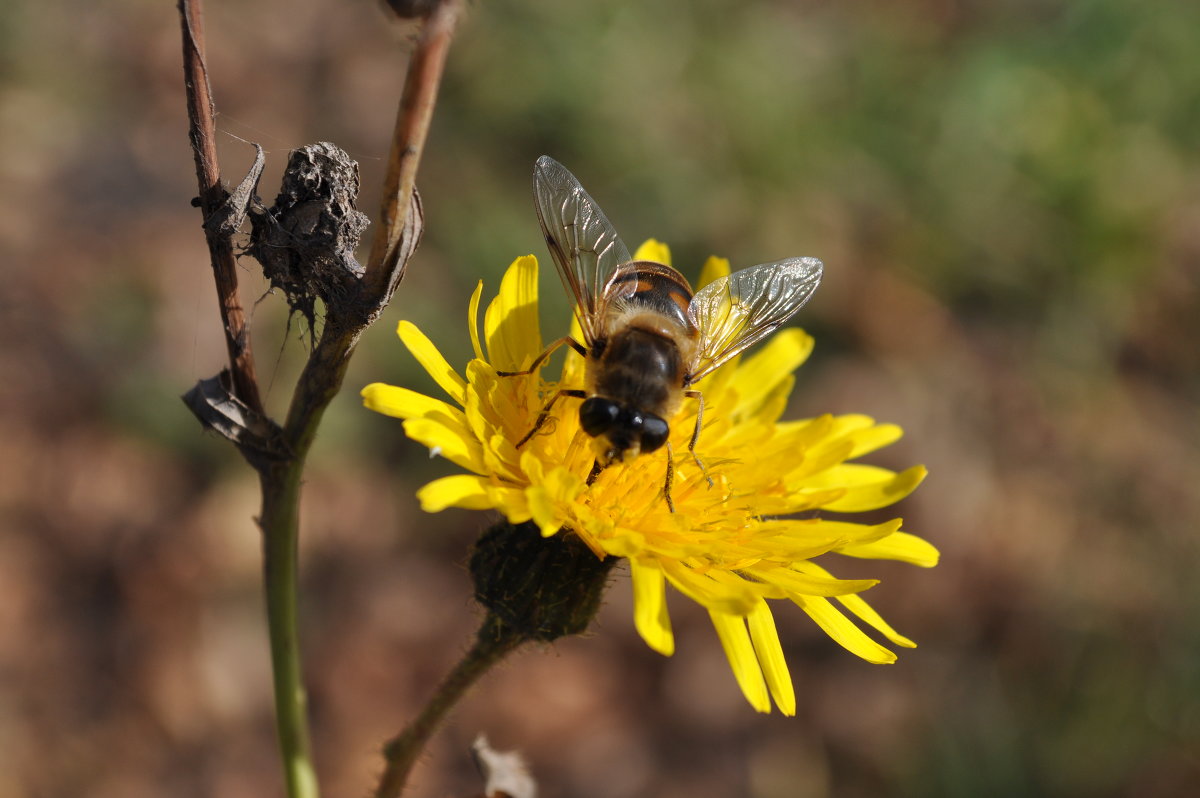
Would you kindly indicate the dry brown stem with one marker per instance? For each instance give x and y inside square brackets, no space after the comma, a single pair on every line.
[408,139]
[202,133]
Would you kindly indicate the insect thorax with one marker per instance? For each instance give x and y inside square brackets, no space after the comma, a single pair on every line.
[640,369]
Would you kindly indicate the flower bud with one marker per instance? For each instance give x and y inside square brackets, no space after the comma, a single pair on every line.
[542,588]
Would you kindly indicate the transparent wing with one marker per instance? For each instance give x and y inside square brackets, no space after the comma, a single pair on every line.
[585,247]
[735,312]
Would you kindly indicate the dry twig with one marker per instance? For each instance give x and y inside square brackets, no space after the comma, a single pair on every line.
[307,267]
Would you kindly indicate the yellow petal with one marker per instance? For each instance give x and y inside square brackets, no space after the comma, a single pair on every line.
[461,490]
[392,400]
[650,607]
[849,422]
[758,375]
[843,631]
[432,361]
[868,614]
[861,608]
[756,412]
[655,251]
[550,492]
[849,475]
[808,585]
[798,501]
[473,320]
[819,532]
[510,323]
[618,541]
[816,469]
[511,502]
[544,510]
[807,432]
[713,268]
[455,443]
[861,533]
[495,403]
[872,438]
[715,596]
[896,546]
[770,657]
[867,487]
[731,629]
[781,545]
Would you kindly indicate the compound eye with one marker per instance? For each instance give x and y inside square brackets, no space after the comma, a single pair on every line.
[597,415]
[654,432]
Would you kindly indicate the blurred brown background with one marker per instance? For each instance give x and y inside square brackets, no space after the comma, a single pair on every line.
[1007,200]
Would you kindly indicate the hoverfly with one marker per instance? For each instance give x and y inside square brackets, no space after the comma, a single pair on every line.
[646,337]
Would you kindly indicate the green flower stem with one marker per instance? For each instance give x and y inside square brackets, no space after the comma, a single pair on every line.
[280,524]
[495,640]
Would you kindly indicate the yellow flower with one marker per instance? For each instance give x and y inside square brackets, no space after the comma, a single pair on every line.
[732,546]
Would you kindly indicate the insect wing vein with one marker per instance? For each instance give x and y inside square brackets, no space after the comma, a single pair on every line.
[735,312]
[585,247]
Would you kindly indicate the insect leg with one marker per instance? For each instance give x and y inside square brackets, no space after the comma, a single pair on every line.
[566,339]
[545,414]
[595,472]
[670,477]
[699,397]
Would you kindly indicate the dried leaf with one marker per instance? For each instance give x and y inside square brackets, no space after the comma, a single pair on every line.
[228,218]
[259,439]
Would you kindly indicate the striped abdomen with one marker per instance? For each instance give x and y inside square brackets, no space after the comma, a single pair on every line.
[645,285]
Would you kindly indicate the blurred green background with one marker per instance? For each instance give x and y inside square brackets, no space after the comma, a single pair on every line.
[1007,200]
